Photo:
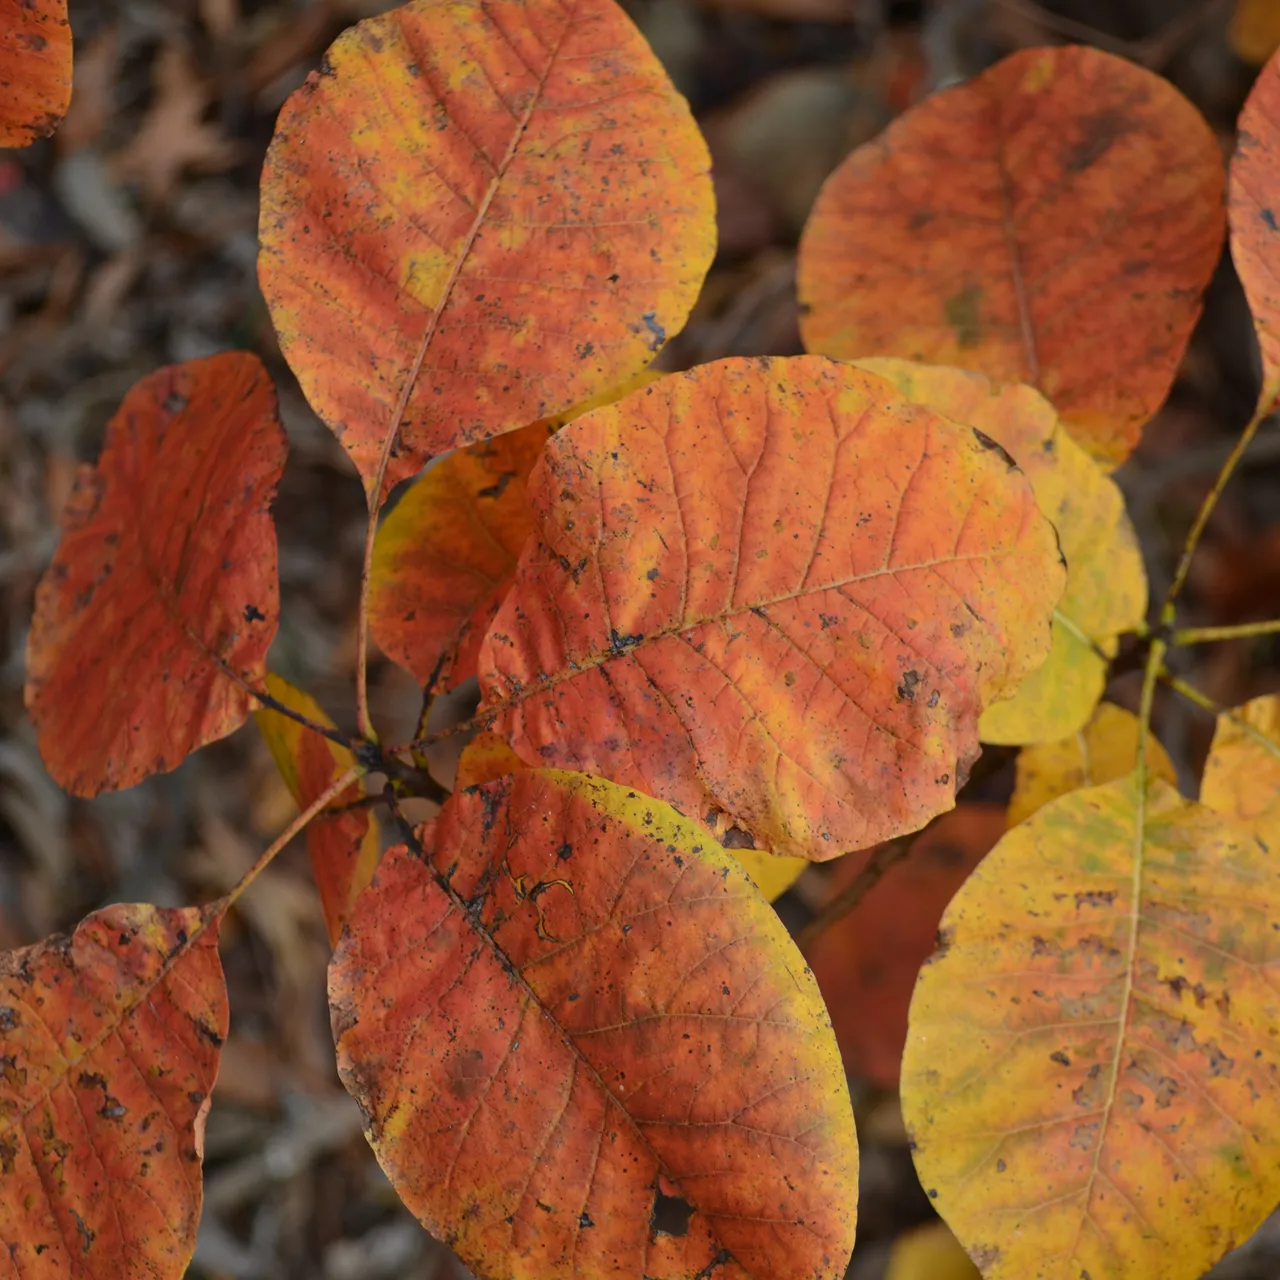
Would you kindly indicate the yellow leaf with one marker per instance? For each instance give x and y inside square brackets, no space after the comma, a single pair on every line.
[1106,592]
[773,874]
[1254,33]
[1242,773]
[1090,1075]
[1104,750]
[930,1252]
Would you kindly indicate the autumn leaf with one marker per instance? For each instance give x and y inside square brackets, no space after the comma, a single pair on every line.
[445,556]
[1104,750]
[35,69]
[1255,231]
[1053,222]
[1106,592]
[771,591]
[109,1044]
[343,847]
[1242,773]
[1254,31]
[487,756]
[163,590]
[573,1011]
[1090,1076]
[523,231]
[929,1252]
[866,962]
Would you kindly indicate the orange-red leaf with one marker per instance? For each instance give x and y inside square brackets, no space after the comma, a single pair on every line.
[866,962]
[476,215]
[109,1044]
[1255,218]
[580,1005]
[165,579]
[343,847]
[773,590]
[35,69]
[445,556]
[1053,222]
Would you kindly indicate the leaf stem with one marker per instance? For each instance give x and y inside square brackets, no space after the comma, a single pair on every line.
[1202,516]
[847,900]
[331,792]
[1205,635]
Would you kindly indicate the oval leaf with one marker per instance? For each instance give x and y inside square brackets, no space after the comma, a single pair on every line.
[445,556]
[1053,221]
[1255,218]
[343,847]
[1090,1079]
[164,581]
[866,962]
[525,230]
[1106,592]
[109,1043]
[35,69]
[1104,750]
[579,1013]
[1242,773]
[772,590]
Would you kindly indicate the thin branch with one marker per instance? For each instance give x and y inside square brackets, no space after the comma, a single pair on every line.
[847,900]
[1206,635]
[1206,703]
[1206,510]
[330,793]
[274,704]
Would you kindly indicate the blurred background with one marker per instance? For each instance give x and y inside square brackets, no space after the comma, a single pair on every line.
[128,241]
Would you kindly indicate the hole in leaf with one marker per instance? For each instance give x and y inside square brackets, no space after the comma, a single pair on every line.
[670,1216]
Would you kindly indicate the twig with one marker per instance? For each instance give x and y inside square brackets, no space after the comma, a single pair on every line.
[1206,635]
[331,792]
[852,894]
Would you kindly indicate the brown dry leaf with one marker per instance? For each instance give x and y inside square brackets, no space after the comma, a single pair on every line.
[174,136]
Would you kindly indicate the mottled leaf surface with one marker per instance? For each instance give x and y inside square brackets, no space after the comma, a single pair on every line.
[1090,1079]
[1255,218]
[866,962]
[164,581]
[343,846]
[1104,750]
[574,1005]
[772,592]
[35,69]
[1053,222]
[1106,591]
[475,215]
[109,1043]
[1242,773]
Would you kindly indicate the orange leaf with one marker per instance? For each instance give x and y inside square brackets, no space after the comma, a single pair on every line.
[1255,218]
[343,847]
[484,758]
[35,69]
[774,590]
[577,1007]
[109,1044]
[1254,33]
[165,579]
[1053,221]
[1090,1075]
[866,963]
[444,557]
[524,230]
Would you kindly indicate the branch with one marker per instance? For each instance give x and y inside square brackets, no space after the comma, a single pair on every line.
[1205,635]
[889,853]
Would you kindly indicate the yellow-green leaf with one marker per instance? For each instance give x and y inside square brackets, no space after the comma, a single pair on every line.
[1242,773]
[1104,750]
[1106,591]
[1090,1080]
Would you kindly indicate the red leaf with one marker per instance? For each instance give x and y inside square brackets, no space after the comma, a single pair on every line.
[109,1043]
[35,69]
[165,580]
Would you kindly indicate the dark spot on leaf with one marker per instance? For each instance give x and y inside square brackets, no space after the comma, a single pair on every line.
[1060,1058]
[961,310]
[907,689]
[1269,217]
[670,1215]
[253,614]
[657,334]
[996,447]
